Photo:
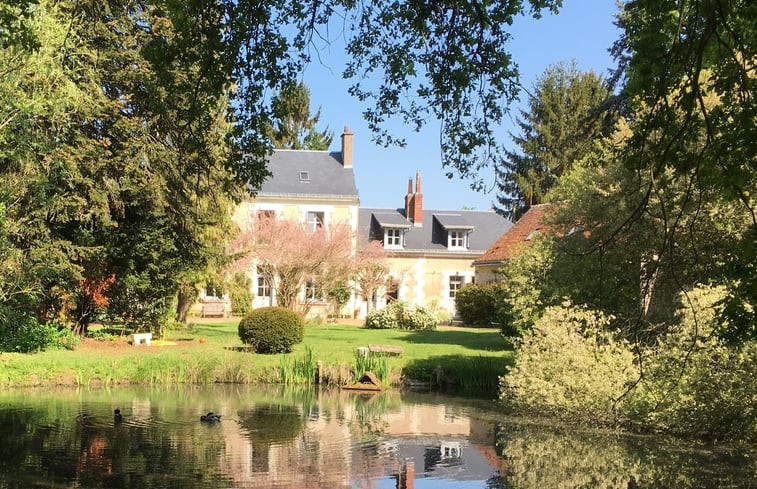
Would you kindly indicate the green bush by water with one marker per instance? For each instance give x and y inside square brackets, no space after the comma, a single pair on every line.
[272,329]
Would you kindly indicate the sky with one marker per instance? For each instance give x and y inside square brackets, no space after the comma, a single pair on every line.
[582,31]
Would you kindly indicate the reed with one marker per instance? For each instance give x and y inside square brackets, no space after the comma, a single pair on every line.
[378,364]
[298,370]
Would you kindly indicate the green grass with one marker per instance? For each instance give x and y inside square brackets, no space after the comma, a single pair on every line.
[463,358]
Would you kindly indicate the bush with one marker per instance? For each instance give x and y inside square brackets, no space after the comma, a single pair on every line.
[400,314]
[240,294]
[569,366]
[381,319]
[272,329]
[477,304]
[23,334]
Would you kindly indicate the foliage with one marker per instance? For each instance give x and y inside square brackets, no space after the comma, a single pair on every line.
[381,319]
[401,315]
[240,293]
[441,62]
[478,305]
[528,286]
[272,329]
[23,334]
[562,122]
[293,128]
[689,72]
[570,366]
[338,294]
[694,383]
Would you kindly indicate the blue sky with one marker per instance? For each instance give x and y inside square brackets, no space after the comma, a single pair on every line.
[583,30]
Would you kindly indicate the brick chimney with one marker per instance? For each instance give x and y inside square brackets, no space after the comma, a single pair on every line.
[347,147]
[414,201]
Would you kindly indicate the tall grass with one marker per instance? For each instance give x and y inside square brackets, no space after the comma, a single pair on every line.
[377,364]
[299,370]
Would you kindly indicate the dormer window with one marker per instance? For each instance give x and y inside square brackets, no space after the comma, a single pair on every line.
[393,238]
[457,240]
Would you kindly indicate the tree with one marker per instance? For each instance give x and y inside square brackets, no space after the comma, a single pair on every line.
[562,122]
[689,71]
[371,271]
[293,128]
[292,254]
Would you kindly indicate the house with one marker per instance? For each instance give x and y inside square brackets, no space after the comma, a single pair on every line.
[522,233]
[431,250]
[316,187]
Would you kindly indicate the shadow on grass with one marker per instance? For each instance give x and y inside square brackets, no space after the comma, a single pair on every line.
[472,375]
[475,339]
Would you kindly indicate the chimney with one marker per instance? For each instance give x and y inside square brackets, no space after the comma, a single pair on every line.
[409,198]
[417,202]
[347,147]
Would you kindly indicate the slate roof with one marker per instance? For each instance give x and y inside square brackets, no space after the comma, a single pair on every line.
[520,234]
[486,226]
[325,176]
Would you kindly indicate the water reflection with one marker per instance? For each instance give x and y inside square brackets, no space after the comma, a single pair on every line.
[272,437]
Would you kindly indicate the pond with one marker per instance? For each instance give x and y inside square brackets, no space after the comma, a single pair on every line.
[308,438]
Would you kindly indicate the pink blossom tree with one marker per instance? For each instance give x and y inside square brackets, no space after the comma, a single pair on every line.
[292,253]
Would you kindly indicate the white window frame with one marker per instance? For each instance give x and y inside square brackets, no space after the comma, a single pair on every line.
[454,284]
[314,224]
[313,292]
[394,238]
[457,239]
[263,285]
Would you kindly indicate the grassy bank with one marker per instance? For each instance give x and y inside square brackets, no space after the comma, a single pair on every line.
[210,352]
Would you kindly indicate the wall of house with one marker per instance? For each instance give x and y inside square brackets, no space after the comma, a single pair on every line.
[486,274]
[426,280]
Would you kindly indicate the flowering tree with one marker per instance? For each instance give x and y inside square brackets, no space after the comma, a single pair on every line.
[371,270]
[293,253]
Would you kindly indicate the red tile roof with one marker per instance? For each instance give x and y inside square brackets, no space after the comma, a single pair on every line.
[519,235]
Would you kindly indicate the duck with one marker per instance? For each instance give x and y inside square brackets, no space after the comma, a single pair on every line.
[117,416]
[211,417]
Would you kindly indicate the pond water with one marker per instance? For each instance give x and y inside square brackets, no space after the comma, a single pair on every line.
[305,438]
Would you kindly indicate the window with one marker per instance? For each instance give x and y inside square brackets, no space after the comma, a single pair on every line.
[314,221]
[304,176]
[264,283]
[457,240]
[455,283]
[533,234]
[313,291]
[392,238]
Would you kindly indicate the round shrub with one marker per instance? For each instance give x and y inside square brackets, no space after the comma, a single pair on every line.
[272,329]
[477,305]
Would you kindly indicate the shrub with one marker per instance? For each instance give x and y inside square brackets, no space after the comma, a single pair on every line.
[23,334]
[569,366]
[240,294]
[400,314]
[477,304]
[272,329]
[381,319]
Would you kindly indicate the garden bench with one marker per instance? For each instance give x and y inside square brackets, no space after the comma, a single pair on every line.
[141,338]
[387,349]
[217,309]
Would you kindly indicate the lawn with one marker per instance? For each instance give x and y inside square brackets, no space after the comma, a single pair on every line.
[208,351]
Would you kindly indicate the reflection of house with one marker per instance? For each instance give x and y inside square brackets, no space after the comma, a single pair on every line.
[522,234]
[431,250]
